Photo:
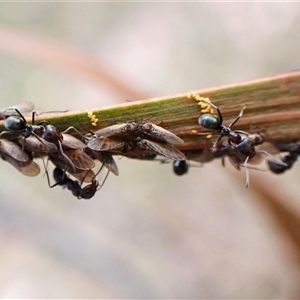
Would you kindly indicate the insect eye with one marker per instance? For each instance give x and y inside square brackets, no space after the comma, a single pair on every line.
[129,127]
[209,121]
[15,123]
[147,127]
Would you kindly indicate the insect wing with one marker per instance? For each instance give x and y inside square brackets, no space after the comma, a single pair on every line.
[33,144]
[60,162]
[85,176]
[72,142]
[104,144]
[117,129]
[159,133]
[80,159]
[108,161]
[24,108]
[13,150]
[166,150]
[29,168]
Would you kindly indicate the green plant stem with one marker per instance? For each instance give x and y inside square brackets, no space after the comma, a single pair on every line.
[272,108]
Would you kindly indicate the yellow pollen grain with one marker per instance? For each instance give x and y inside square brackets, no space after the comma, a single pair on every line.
[206,110]
[202,105]
[92,118]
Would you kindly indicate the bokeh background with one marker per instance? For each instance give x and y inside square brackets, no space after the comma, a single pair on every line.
[147,233]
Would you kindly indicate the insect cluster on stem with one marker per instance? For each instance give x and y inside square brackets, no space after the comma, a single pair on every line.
[78,161]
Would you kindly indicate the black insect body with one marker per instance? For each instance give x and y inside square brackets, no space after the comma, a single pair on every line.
[215,123]
[288,159]
[16,125]
[180,167]
[62,179]
[239,149]
[244,153]
[74,186]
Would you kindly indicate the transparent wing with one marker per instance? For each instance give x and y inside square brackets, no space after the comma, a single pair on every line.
[104,144]
[81,160]
[166,150]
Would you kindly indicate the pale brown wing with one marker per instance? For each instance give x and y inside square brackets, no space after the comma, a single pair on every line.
[117,129]
[80,159]
[40,145]
[29,168]
[60,161]
[159,133]
[104,144]
[166,150]
[72,142]
[13,150]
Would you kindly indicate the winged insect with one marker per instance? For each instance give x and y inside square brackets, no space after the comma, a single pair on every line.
[151,130]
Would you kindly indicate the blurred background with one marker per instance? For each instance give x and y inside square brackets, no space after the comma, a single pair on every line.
[146,233]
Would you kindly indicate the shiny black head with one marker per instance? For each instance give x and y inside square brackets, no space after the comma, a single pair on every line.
[210,122]
[15,123]
[52,135]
